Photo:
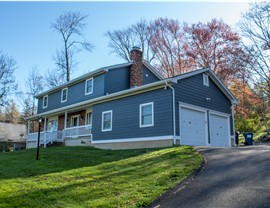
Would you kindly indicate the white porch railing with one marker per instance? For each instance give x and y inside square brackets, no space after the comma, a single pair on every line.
[78,131]
[45,138]
[59,136]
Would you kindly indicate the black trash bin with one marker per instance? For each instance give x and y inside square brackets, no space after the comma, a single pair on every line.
[236,138]
[248,138]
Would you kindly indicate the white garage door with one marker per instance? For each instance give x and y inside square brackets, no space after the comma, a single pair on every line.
[219,130]
[192,127]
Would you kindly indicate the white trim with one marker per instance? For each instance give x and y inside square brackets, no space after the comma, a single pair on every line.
[71,121]
[85,86]
[43,106]
[199,108]
[51,118]
[102,121]
[140,139]
[193,107]
[152,112]
[205,80]
[62,101]
[219,113]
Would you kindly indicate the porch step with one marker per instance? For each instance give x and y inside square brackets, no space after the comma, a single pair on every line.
[55,144]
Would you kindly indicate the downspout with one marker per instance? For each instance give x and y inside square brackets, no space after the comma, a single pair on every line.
[174,118]
[232,108]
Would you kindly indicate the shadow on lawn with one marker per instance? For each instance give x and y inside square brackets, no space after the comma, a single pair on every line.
[22,164]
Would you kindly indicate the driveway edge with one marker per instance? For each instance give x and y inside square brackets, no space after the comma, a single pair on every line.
[180,186]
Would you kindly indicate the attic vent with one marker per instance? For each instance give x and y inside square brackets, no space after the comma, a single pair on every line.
[205,80]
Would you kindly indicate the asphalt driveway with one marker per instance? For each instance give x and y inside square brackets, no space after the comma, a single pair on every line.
[232,177]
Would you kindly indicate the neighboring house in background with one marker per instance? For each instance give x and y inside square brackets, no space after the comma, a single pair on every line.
[130,105]
[12,132]
[12,136]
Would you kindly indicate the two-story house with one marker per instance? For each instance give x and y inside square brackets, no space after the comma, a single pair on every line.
[130,105]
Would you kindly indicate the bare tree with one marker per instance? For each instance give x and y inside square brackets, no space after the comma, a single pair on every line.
[54,79]
[7,79]
[34,85]
[122,41]
[168,44]
[255,27]
[70,26]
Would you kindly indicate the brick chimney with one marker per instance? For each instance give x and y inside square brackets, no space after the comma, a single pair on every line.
[136,69]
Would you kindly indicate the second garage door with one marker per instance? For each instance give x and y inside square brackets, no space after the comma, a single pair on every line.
[219,130]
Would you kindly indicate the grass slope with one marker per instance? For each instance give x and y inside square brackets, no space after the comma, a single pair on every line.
[88,177]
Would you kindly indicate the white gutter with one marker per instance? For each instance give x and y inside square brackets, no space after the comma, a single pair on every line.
[174,111]
[105,98]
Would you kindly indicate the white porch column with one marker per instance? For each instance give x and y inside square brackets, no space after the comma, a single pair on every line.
[65,126]
[45,125]
[65,123]
[28,127]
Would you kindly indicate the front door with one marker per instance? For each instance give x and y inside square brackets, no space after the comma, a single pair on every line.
[75,121]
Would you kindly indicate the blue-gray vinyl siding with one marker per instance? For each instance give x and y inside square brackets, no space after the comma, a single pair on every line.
[76,93]
[148,76]
[117,80]
[126,112]
[192,91]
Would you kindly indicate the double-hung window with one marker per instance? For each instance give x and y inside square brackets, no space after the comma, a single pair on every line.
[64,95]
[205,80]
[88,118]
[147,114]
[45,101]
[89,86]
[107,121]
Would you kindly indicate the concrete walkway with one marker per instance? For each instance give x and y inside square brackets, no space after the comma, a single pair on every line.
[232,178]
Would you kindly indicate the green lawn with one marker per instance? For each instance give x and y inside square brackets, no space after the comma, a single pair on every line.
[89,177]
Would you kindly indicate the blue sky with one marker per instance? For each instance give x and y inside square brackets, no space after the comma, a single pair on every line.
[27,37]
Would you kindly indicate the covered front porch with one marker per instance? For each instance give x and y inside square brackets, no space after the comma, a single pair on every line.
[61,127]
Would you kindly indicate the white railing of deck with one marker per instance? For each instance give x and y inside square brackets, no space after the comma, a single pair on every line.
[78,131]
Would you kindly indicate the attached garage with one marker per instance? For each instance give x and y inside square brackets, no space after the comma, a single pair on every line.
[201,127]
